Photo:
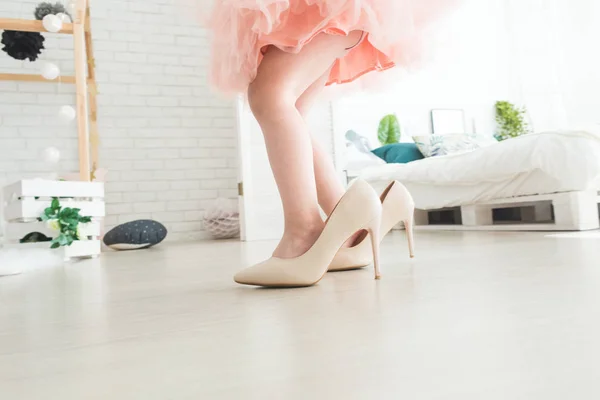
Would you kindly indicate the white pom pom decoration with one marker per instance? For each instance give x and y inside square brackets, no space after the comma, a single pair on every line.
[51,155]
[67,113]
[50,71]
[222,220]
[52,23]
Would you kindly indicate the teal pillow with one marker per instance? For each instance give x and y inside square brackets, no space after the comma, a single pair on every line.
[399,153]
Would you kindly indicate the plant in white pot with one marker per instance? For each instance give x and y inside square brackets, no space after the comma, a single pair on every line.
[389,131]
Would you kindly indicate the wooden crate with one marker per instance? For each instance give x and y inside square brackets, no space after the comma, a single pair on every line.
[25,201]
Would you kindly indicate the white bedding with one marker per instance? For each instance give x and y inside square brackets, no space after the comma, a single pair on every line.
[539,163]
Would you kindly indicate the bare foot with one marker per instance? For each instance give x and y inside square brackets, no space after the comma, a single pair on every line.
[294,243]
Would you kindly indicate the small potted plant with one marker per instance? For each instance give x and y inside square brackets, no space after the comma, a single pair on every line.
[389,130]
[511,121]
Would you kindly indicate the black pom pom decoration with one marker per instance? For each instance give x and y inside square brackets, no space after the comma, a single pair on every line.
[44,9]
[23,45]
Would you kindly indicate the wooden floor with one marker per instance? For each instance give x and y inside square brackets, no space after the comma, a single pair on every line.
[484,316]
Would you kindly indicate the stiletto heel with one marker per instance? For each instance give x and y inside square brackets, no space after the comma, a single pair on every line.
[373,231]
[359,209]
[409,225]
[397,205]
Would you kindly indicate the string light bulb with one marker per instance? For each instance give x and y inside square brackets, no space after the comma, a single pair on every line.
[67,113]
[50,71]
[52,23]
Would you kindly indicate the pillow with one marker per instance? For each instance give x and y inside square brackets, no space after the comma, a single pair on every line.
[399,153]
[442,145]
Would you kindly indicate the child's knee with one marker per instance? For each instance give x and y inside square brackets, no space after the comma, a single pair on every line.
[266,98]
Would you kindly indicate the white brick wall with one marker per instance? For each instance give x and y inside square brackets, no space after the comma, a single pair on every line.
[169,144]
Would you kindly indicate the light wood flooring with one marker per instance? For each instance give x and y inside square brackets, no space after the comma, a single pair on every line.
[486,316]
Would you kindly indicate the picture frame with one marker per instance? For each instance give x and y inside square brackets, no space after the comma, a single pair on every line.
[448,121]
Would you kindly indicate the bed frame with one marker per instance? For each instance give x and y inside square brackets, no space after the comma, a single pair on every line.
[570,211]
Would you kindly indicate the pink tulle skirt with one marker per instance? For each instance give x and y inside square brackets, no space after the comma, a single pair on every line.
[394,34]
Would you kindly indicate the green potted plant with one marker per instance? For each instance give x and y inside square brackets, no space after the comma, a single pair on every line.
[511,120]
[389,130]
[67,222]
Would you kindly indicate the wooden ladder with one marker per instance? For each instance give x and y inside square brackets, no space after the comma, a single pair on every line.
[86,88]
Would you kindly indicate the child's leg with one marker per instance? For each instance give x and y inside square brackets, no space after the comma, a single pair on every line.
[281,80]
[329,187]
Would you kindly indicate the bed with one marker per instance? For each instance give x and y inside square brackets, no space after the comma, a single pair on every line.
[561,168]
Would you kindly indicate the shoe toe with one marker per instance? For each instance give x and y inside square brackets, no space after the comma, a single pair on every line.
[272,273]
[248,276]
[263,274]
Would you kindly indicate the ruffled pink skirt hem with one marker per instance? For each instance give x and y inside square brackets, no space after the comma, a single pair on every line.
[394,34]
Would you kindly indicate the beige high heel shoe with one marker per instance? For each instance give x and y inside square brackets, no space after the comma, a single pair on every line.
[397,205]
[358,209]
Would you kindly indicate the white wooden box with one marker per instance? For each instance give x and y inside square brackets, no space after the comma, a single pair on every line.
[24,202]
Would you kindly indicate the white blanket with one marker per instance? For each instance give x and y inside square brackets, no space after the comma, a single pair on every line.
[532,164]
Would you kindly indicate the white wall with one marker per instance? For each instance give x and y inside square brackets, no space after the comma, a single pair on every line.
[470,70]
[581,58]
[169,144]
[555,43]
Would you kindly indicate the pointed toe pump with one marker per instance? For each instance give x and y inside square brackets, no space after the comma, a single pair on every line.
[359,209]
[397,206]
